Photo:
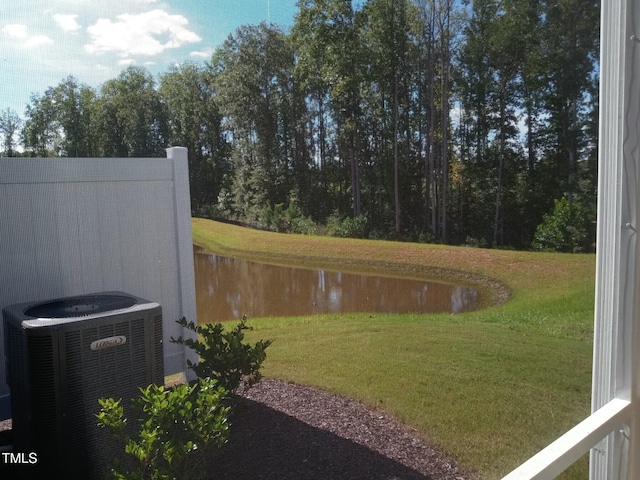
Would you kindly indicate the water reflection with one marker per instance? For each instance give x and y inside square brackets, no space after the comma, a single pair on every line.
[228,288]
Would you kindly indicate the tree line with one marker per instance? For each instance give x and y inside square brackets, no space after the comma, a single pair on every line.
[469,122]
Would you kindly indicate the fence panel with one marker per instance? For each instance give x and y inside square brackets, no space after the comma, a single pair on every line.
[71,226]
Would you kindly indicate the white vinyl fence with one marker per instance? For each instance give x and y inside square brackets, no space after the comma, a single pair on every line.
[73,226]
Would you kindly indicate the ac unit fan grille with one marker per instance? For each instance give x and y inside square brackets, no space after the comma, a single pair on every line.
[116,372]
[158,368]
[79,306]
[44,405]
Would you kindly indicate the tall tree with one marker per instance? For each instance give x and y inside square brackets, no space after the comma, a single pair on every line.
[39,133]
[444,21]
[437,31]
[332,25]
[507,56]
[571,41]
[63,121]
[428,44]
[310,40]
[74,117]
[194,121]
[489,87]
[133,116]
[252,75]
[387,33]
[531,90]
[10,123]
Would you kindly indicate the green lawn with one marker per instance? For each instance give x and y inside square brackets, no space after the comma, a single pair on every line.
[490,387]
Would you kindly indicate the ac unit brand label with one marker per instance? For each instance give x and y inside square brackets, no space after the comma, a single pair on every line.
[108,342]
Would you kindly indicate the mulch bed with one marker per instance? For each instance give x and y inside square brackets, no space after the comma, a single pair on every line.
[285,431]
[281,431]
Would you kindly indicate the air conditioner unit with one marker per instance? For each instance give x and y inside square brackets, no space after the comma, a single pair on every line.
[63,355]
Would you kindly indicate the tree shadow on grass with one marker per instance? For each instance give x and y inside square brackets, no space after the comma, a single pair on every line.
[267,444]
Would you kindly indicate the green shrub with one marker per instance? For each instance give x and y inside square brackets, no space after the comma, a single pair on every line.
[288,220]
[567,229]
[224,355]
[176,430]
[426,237]
[349,227]
[476,242]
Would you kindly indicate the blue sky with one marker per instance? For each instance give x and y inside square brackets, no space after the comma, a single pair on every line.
[41,43]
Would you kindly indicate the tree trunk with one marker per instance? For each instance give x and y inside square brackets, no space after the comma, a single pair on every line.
[431,180]
[396,186]
[445,113]
[496,220]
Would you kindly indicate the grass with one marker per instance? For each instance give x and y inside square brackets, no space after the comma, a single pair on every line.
[490,387]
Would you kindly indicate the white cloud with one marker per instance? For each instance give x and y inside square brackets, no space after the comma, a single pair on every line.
[16,30]
[149,33]
[67,23]
[204,53]
[20,32]
[38,40]
[102,68]
[125,62]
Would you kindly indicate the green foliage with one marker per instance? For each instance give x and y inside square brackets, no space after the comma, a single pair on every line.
[39,132]
[352,109]
[176,430]
[289,219]
[349,227]
[133,117]
[426,237]
[251,74]
[476,242]
[194,122]
[10,123]
[566,229]
[224,355]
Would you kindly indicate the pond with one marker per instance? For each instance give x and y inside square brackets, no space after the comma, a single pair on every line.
[228,288]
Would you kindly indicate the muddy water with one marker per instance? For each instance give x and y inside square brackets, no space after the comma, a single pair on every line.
[228,288]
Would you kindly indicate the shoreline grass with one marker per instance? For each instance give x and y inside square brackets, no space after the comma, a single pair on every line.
[489,387]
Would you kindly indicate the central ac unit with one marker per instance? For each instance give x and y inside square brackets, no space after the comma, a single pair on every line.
[63,355]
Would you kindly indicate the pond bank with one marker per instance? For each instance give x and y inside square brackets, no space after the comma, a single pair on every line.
[274,249]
